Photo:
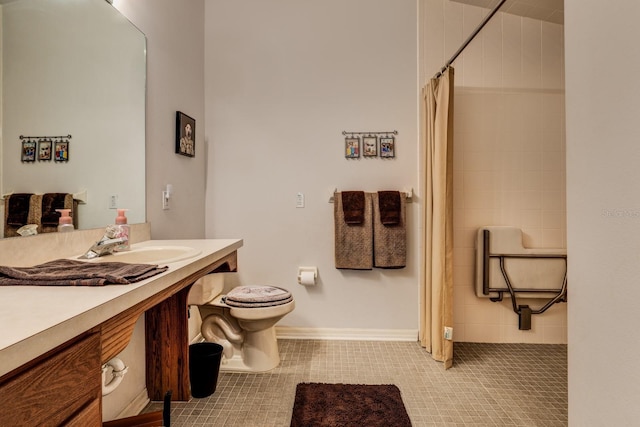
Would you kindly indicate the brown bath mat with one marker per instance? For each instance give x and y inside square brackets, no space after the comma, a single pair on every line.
[346,405]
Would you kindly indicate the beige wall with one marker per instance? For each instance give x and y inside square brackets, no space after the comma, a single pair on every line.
[284,78]
[509,151]
[603,205]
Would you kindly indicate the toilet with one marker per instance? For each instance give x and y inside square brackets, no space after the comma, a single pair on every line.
[242,321]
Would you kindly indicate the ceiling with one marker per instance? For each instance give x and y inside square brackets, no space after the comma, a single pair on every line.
[544,10]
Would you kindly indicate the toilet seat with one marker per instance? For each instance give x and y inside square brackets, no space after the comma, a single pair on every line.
[257,296]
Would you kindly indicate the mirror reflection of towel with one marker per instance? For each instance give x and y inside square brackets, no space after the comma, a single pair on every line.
[51,202]
[18,208]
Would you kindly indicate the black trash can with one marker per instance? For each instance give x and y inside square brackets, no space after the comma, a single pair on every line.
[204,365]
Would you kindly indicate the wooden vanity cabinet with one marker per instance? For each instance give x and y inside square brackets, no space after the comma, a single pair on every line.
[62,387]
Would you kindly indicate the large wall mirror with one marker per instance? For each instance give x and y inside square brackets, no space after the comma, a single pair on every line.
[75,67]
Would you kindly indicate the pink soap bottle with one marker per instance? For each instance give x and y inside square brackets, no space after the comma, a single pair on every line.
[121,222]
[65,223]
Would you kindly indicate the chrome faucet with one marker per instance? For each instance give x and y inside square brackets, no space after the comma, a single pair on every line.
[106,245]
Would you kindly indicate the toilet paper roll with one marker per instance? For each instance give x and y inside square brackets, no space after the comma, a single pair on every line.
[307,278]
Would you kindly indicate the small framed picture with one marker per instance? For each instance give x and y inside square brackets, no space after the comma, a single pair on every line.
[185,135]
[387,146]
[44,150]
[61,151]
[352,147]
[370,146]
[28,150]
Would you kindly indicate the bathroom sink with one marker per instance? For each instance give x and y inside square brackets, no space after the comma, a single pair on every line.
[151,255]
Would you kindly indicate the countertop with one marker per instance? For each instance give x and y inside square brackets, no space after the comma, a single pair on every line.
[36,319]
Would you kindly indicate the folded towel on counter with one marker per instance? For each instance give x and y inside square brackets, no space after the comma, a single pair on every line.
[17,206]
[389,207]
[67,272]
[51,202]
[353,206]
[389,241]
[353,242]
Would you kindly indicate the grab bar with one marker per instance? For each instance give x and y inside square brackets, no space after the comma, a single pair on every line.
[524,312]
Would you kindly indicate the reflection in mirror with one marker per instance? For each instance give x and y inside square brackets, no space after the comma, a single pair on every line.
[75,68]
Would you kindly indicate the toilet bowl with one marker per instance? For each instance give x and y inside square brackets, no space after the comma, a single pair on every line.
[243,322]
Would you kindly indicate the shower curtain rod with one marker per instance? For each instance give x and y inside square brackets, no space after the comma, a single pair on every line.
[470,38]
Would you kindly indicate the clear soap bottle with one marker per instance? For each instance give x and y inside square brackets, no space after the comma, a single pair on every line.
[65,223]
[123,230]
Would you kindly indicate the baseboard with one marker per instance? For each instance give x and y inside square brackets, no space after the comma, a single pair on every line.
[136,406]
[288,332]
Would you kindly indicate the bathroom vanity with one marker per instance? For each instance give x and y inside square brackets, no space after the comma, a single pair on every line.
[54,340]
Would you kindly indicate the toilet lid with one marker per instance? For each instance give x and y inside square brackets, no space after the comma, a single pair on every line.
[257,296]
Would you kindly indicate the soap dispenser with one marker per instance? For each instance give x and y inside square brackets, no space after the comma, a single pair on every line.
[123,230]
[65,223]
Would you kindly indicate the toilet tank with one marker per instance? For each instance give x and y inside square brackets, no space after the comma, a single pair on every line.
[205,289]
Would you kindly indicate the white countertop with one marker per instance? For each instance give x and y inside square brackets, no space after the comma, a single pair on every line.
[36,319]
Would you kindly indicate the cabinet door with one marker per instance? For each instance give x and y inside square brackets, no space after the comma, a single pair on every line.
[89,416]
[55,389]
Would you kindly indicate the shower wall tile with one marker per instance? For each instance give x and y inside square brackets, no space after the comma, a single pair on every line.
[477,332]
[554,334]
[531,218]
[552,56]
[509,145]
[512,51]
[532,180]
[552,180]
[554,220]
[531,53]
[553,238]
[453,36]
[472,73]
[481,314]
[492,52]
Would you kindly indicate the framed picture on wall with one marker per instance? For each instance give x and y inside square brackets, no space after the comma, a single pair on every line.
[28,150]
[185,135]
[352,147]
[61,151]
[44,149]
[369,146]
[387,146]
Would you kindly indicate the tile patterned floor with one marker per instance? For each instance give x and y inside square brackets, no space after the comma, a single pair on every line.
[489,384]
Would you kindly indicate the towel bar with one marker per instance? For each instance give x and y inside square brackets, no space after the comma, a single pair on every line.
[80,196]
[408,195]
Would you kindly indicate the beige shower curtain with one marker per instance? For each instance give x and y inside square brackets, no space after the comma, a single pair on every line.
[436,288]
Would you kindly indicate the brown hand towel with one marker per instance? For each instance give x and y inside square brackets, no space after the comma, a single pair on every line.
[389,241]
[353,242]
[353,206]
[389,205]
[51,202]
[18,208]
[67,272]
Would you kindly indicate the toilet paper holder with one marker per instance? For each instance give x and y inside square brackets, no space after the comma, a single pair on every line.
[302,270]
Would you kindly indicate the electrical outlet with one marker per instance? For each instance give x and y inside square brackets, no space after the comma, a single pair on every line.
[300,200]
[113,201]
[448,333]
